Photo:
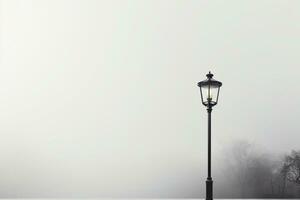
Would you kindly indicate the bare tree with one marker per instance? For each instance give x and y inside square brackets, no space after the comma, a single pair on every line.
[283,173]
[249,172]
[291,167]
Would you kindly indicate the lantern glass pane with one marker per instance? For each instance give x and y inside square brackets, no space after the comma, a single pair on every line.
[209,93]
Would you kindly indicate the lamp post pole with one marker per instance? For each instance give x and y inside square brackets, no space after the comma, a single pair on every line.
[209,181]
[209,90]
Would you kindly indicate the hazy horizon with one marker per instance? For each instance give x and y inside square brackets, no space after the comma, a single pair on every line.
[100,98]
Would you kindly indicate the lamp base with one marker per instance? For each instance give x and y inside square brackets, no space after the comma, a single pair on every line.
[209,189]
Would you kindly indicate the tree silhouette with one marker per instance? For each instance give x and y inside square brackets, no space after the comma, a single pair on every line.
[291,167]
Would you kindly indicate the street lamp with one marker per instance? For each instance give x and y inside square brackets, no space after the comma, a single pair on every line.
[209,90]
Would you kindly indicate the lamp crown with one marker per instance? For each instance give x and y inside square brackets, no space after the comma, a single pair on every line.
[209,75]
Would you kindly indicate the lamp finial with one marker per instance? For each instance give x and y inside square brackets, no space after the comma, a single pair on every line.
[209,75]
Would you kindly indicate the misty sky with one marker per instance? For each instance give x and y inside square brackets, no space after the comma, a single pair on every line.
[100,98]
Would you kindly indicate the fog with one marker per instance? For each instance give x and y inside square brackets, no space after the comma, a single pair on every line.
[100,98]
